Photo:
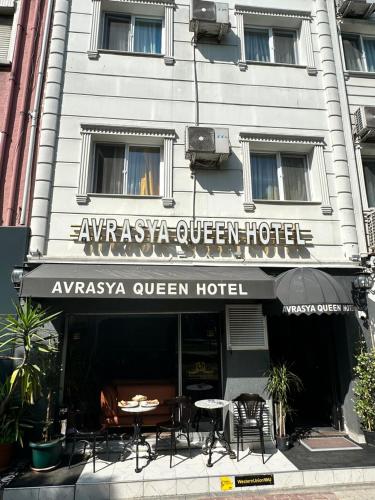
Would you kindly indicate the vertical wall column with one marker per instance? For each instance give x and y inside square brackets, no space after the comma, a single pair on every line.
[93,52]
[241,35]
[307,37]
[248,204]
[326,202]
[169,55]
[168,201]
[82,197]
[340,162]
[49,129]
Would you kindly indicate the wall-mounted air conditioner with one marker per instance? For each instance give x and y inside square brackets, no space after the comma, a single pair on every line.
[209,18]
[206,147]
[355,8]
[364,123]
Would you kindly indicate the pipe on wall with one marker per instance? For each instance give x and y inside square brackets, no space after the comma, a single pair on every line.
[49,129]
[22,130]
[35,114]
[345,206]
[13,80]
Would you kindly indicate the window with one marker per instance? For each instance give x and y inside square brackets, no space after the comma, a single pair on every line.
[279,177]
[133,34]
[270,45]
[359,52]
[6,23]
[369,171]
[126,169]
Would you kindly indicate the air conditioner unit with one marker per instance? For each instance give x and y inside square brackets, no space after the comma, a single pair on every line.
[206,147]
[364,122]
[209,18]
[370,219]
[355,8]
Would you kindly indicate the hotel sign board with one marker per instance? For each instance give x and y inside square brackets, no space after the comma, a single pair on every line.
[198,232]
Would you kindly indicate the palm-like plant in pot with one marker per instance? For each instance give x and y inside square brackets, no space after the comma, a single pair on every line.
[364,392]
[26,341]
[281,383]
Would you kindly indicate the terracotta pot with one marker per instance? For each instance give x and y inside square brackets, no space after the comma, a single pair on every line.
[6,455]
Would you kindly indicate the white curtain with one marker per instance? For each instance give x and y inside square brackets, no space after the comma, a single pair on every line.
[143,171]
[294,176]
[109,168]
[264,177]
[369,46]
[147,36]
[257,45]
[118,34]
[369,171]
[284,47]
[352,51]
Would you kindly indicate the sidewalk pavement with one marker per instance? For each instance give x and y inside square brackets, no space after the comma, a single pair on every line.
[359,492]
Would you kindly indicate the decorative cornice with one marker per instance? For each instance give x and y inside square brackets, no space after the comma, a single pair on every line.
[168,202]
[151,2]
[281,139]
[263,11]
[132,131]
[249,207]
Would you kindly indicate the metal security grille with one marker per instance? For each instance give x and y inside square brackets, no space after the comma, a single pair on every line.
[5,34]
[246,327]
[371,231]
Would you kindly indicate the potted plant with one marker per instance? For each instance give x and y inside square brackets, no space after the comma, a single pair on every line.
[10,431]
[34,349]
[280,385]
[364,392]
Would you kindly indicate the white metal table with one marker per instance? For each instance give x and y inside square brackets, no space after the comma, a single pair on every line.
[214,436]
[137,438]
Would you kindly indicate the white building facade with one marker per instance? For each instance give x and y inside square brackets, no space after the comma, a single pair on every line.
[133,226]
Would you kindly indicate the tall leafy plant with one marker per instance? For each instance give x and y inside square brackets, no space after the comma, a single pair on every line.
[364,388]
[25,340]
[281,384]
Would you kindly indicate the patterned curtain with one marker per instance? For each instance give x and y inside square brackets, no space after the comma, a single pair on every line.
[264,177]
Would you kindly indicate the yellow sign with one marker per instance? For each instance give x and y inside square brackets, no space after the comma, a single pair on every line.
[226,483]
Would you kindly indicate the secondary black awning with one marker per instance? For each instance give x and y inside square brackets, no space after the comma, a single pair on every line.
[311,291]
[147,281]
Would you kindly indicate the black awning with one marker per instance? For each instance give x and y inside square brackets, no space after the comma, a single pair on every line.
[147,281]
[311,291]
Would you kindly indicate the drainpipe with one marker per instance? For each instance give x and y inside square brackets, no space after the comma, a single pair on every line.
[48,129]
[16,63]
[22,129]
[350,151]
[35,114]
[335,125]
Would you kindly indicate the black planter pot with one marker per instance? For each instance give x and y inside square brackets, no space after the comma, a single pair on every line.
[282,443]
[369,437]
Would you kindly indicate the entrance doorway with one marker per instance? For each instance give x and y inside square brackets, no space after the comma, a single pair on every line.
[309,346]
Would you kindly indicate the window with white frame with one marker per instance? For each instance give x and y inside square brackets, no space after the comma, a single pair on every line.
[6,23]
[277,176]
[131,33]
[127,169]
[359,52]
[271,45]
[127,161]
[369,174]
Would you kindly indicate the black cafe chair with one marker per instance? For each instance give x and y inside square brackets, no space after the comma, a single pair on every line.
[249,415]
[89,439]
[178,424]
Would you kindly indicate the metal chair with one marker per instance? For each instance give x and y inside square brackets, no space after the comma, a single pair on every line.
[86,437]
[178,425]
[250,409]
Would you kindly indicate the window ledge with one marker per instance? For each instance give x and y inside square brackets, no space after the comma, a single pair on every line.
[361,74]
[128,53]
[287,202]
[4,62]
[269,63]
[127,196]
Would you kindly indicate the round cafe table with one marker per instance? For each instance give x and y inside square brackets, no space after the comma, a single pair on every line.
[214,436]
[137,438]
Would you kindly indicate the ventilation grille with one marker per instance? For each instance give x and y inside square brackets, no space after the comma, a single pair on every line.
[246,327]
[371,231]
[5,33]
[359,125]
